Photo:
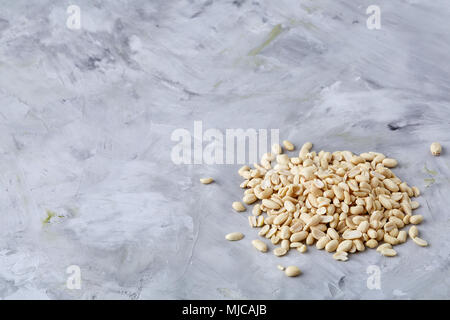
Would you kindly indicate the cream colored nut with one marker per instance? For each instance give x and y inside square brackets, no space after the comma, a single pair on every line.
[249,198]
[314,221]
[285,244]
[279,251]
[285,232]
[359,245]
[402,236]
[206,180]
[299,236]
[292,271]
[341,256]
[281,218]
[384,246]
[385,202]
[325,219]
[270,204]
[416,191]
[317,233]
[333,234]
[264,230]
[303,248]
[413,232]
[304,149]
[271,232]
[345,245]
[389,226]
[256,211]
[388,252]
[363,226]
[420,242]
[259,245]
[276,148]
[310,239]
[238,206]
[389,163]
[288,145]
[283,159]
[390,185]
[260,221]
[406,219]
[322,242]
[275,239]
[352,234]
[290,207]
[332,245]
[234,236]
[436,148]
[372,243]
[416,219]
[390,239]
[252,221]
[280,267]
[295,245]
[372,233]
[415,205]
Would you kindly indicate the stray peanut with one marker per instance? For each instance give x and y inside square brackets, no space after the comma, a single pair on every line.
[206,180]
[436,148]
[234,236]
[420,242]
[259,245]
[239,207]
[288,145]
[292,271]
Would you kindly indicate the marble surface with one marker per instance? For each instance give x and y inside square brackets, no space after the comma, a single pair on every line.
[86,118]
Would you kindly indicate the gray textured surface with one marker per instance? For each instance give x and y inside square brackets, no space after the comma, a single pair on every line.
[86,118]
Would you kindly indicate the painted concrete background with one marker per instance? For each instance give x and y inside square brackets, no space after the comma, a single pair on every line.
[87,115]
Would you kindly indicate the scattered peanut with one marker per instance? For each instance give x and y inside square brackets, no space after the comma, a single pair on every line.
[288,145]
[420,242]
[259,245]
[436,148]
[388,252]
[292,271]
[239,207]
[279,251]
[206,180]
[341,256]
[413,232]
[234,236]
[416,219]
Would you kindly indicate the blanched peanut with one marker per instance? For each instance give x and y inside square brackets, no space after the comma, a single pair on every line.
[206,180]
[259,245]
[292,271]
[416,219]
[288,145]
[436,148]
[239,207]
[234,236]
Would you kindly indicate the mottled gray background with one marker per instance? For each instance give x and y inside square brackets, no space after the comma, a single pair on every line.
[86,118]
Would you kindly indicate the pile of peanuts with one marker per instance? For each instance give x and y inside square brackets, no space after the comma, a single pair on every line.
[341,202]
